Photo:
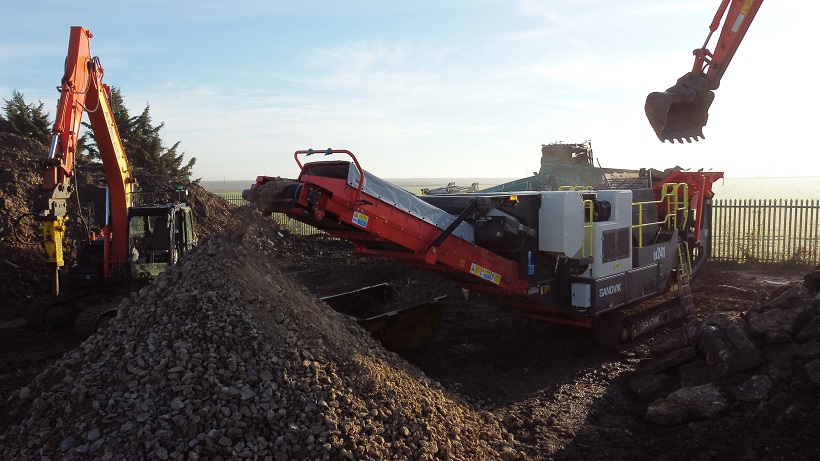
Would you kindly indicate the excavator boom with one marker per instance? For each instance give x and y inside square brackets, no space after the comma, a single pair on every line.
[681,112]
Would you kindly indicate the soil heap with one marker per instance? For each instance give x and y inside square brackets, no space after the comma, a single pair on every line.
[224,357]
[23,266]
[19,263]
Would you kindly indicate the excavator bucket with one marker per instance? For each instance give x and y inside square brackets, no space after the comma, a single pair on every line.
[680,112]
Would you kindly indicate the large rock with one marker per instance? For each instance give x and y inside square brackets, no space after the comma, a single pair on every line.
[669,342]
[700,401]
[780,354]
[666,413]
[754,389]
[794,293]
[670,360]
[775,321]
[698,373]
[812,280]
[809,331]
[809,350]
[813,369]
[652,386]
[728,349]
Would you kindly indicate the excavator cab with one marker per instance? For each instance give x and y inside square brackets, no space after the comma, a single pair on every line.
[158,235]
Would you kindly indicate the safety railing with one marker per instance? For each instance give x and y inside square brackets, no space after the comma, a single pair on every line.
[589,208]
[675,202]
[676,197]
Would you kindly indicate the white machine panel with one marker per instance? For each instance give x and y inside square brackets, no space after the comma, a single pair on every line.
[619,224]
[581,295]
[560,223]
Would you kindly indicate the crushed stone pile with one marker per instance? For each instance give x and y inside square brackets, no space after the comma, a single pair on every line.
[224,357]
[22,266]
[763,364]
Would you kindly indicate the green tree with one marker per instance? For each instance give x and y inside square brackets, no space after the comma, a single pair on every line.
[142,143]
[27,120]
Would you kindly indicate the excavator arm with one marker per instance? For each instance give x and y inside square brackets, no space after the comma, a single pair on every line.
[681,111]
[81,90]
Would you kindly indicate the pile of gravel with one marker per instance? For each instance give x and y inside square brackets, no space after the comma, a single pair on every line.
[223,357]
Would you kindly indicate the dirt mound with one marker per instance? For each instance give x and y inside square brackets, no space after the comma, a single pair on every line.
[22,266]
[19,263]
[241,362]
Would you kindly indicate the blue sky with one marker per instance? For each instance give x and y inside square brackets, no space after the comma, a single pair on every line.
[430,88]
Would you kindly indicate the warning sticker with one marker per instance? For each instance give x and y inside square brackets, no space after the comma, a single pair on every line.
[485,273]
[360,219]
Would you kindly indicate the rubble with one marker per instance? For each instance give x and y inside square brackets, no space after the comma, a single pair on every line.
[223,357]
[741,363]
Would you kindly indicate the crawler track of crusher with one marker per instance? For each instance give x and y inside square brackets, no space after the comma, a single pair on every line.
[574,257]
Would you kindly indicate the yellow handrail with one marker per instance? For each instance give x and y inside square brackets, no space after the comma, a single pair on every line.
[674,202]
[574,188]
[589,206]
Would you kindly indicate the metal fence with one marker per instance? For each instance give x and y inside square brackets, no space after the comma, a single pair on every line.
[743,231]
[766,231]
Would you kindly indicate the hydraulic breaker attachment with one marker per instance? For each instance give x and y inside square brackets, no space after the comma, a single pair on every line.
[53,231]
[681,111]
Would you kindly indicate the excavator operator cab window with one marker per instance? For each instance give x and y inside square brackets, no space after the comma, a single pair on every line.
[149,242]
[183,231]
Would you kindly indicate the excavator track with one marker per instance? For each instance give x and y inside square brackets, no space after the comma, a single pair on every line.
[88,311]
[94,318]
[47,313]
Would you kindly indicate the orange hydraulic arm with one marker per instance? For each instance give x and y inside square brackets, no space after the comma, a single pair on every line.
[82,90]
[681,111]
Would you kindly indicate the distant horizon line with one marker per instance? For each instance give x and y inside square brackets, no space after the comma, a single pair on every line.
[453,178]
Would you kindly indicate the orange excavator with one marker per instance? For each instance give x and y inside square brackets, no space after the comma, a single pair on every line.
[81,90]
[138,240]
[681,112]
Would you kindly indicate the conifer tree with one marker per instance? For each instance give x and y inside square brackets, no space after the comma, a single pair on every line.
[142,143]
[27,120]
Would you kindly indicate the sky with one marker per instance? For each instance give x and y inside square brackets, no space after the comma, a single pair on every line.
[430,88]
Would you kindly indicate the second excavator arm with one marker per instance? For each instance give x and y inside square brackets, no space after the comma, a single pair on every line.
[681,111]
